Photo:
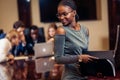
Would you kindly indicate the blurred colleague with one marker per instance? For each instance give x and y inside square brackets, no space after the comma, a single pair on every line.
[51,32]
[2,34]
[55,73]
[34,34]
[20,49]
[11,39]
[33,38]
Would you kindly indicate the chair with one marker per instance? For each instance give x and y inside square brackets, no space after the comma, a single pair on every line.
[117,48]
[108,59]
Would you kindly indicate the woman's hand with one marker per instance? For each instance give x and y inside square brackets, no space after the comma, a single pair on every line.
[86,58]
[10,58]
[22,37]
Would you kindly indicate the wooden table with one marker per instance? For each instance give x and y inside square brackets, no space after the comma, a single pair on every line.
[24,69]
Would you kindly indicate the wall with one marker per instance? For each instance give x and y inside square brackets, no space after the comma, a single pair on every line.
[98,29]
[8,14]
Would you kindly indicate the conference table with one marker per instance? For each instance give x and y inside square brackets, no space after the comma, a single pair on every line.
[24,69]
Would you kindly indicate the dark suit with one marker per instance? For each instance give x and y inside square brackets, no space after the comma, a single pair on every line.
[18,50]
[30,44]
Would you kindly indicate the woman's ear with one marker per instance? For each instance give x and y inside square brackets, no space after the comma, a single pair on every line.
[74,11]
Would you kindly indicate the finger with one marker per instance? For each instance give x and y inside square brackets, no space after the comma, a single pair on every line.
[93,57]
[87,60]
[90,59]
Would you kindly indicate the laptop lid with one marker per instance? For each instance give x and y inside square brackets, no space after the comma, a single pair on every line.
[43,65]
[100,67]
[102,54]
[43,49]
[104,65]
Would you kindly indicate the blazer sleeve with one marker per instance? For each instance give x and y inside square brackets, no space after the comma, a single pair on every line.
[60,56]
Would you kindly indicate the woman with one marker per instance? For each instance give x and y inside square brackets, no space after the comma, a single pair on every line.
[11,39]
[71,41]
[51,32]
[55,73]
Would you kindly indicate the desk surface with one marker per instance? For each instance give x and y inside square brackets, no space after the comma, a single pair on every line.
[23,69]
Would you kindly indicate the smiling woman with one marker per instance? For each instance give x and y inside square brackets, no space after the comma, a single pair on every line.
[71,41]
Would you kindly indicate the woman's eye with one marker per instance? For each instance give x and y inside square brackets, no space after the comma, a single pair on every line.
[65,14]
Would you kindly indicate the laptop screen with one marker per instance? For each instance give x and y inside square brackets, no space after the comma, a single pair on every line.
[43,49]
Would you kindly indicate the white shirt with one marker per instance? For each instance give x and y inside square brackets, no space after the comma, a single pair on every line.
[5,47]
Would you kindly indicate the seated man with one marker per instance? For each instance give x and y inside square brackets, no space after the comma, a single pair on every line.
[21,48]
[33,38]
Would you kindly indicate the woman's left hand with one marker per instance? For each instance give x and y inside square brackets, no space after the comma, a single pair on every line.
[86,58]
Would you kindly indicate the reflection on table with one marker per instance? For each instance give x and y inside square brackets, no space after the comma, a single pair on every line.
[24,69]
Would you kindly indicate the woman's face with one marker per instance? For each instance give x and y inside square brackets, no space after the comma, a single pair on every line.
[15,41]
[51,32]
[66,15]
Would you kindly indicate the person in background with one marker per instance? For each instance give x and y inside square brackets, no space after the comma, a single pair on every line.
[11,39]
[33,38]
[71,41]
[55,73]
[20,49]
[2,34]
[51,32]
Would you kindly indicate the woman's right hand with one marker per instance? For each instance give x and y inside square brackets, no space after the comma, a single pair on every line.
[86,58]
[10,58]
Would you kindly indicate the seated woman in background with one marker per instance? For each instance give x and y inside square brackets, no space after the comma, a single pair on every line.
[51,32]
[55,73]
[11,39]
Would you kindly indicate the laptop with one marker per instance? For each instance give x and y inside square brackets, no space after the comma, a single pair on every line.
[43,65]
[43,49]
[104,66]
[98,67]
[103,54]
[44,57]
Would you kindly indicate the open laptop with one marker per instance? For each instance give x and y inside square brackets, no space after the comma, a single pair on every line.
[43,57]
[43,49]
[104,66]
[109,60]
